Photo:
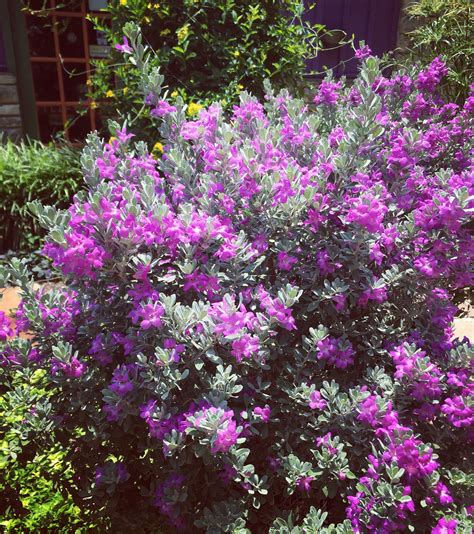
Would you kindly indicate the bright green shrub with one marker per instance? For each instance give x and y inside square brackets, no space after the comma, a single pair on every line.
[31,499]
[33,171]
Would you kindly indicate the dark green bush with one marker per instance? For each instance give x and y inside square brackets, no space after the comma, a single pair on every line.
[33,171]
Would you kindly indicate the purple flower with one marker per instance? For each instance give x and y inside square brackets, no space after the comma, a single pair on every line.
[5,328]
[148,315]
[72,369]
[285,261]
[121,383]
[226,437]
[430,78]
[275,308]
[316,401]
[362,53]
[443,494]
[201,283]
[245,347]
[328,93]
[124,47]
[147,409]
[263,413]
[459,411]
[162,108]
[368,211]
[304,483]
[112,412]
[445,526]
[335,352]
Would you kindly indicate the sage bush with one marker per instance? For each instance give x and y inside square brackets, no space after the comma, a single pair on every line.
[254,333]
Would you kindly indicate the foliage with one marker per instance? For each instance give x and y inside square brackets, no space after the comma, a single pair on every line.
[255,330]
[445,27]
[33,171]
[38,265]
[31,496]
[207,50]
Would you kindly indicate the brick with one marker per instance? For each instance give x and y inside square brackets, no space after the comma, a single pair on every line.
[9,109]
[8,94]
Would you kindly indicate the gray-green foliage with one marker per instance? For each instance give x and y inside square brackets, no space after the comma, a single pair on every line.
[254,331]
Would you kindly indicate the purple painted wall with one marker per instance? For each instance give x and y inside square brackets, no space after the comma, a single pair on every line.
[372,21]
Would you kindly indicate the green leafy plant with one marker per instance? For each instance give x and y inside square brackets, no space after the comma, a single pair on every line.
[445,27]
[33,171]
[207,50]
[32,500]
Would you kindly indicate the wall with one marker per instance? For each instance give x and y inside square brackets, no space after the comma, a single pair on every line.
[10,117]
[17,100]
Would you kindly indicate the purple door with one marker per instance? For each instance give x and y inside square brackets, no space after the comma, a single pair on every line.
[372,21]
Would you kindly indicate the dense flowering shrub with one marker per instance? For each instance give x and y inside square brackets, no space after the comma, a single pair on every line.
[254,334]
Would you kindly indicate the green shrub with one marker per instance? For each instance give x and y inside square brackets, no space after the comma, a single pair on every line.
[207,50]
[31,499]
[33,171]
[445,27]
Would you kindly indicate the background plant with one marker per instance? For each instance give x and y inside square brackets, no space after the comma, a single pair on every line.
[254,334]
[33,171]
[444,27]
[207,51]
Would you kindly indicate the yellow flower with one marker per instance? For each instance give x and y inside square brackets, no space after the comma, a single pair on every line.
[193,109]
[158,147]
[157,150]
[112,139]
[110,94]
[123,2]
[94,105]
[182,33]
[164,32]
[236,53]
[174,94]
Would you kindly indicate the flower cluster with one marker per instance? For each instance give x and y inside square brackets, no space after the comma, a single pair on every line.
[261,320]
